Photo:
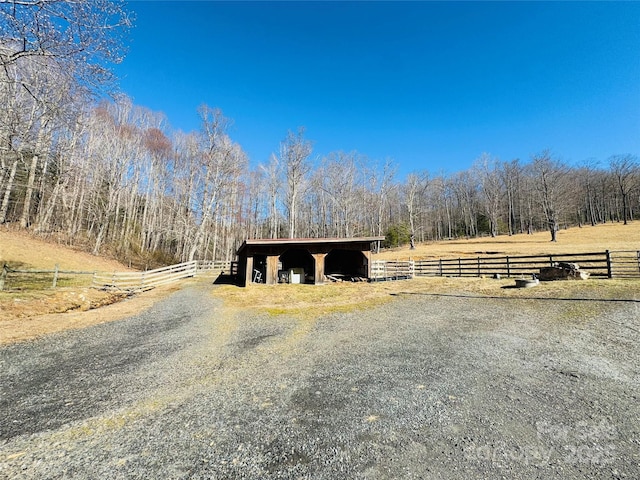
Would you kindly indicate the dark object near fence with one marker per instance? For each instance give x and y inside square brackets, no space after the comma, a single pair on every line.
[563,271]
[526,282]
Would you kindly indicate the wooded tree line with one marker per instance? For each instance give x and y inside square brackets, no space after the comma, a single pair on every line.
[113,177]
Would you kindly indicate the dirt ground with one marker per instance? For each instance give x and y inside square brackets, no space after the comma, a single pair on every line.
[453,385]
[71,309]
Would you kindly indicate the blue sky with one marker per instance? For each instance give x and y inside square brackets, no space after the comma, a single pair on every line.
[429,85]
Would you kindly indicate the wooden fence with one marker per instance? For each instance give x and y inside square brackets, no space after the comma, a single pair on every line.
[597,264]
[607,264]
[212,268]
[625,264]
[16,279]
[19,279]
[392,270]
[145,280]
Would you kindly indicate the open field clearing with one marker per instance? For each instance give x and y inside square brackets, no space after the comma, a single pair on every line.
[609,236]
[25,315]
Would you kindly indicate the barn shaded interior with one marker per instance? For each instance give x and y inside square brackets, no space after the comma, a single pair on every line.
[313,261]
[297,259]
[346,264]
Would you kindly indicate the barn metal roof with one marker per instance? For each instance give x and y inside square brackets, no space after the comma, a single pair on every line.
[307,241]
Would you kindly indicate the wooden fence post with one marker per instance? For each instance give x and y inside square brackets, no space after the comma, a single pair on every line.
[55,275]
[609,269]
[3,276]
[508,268]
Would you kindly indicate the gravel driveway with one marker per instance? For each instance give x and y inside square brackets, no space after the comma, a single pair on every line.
[427,386]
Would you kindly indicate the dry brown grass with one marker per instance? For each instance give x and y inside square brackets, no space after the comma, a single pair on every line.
[610,236]
[76,309]
[307,301]
[25,315]
[28,314]
[313,301]
[32,253]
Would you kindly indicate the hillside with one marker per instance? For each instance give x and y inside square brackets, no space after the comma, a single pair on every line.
[608,236]
[28,314]
[19,248]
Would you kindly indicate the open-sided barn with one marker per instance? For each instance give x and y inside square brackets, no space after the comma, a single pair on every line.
[304,260]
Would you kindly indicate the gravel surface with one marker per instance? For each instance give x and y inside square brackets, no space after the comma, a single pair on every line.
[427,386]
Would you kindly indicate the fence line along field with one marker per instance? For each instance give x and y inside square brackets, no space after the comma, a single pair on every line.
[29,314]
[598,238]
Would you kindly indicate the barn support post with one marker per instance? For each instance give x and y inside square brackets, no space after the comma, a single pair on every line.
[248,273]
[367,256]
[272,269]
[319,267]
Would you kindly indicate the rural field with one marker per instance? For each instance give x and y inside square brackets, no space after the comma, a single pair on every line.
[29,314]
[430,378]
[608,236]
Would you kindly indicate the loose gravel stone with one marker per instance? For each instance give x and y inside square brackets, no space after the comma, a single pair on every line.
[426,386]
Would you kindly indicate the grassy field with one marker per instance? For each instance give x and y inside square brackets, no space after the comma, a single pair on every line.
[307,301]
[26,315]
[609,236]
[26,312]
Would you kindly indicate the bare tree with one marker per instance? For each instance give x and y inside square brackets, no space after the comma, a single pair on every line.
[222,162]
[490,181]
[83,37]
[336,178]
[414,191]
[380,186]
[511,176]
[624,168]
[272,173]
[551,179]
[294,157]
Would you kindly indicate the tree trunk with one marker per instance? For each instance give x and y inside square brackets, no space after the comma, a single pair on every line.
[7,192]
[26,207]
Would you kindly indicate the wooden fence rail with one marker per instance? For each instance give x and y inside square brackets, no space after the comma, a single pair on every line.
[18,279]
[145,280]
[215,267]
[607,264]
[625,264]
[598,264]
[392,270]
